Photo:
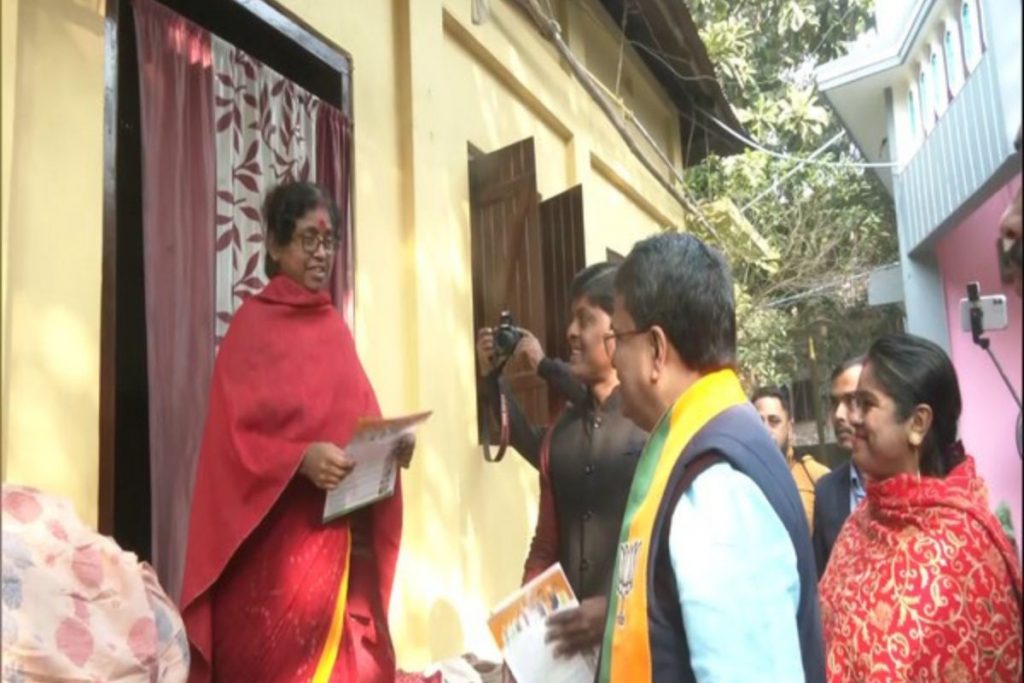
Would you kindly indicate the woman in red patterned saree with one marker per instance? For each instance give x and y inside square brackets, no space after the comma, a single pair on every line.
[270,592]
[923,585]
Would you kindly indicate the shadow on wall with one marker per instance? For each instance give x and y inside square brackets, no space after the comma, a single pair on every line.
[51,301]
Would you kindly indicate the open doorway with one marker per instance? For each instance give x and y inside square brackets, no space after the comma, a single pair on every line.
[267,35]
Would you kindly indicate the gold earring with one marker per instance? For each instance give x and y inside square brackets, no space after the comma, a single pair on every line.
[915,440]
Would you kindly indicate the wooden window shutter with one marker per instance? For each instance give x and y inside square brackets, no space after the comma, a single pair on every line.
[563,255]
[506,257]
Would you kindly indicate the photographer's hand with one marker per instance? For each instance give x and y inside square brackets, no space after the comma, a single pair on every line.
[485,350]
[529,346]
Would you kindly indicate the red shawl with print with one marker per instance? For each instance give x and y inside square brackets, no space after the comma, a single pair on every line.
[923,586]
[262,572]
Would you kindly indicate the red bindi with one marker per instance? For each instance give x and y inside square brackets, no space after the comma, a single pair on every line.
[321,221]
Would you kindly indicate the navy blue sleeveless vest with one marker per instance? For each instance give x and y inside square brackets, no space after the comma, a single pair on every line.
[735,436]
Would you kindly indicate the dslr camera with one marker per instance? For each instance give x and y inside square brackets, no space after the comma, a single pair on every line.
[506,338]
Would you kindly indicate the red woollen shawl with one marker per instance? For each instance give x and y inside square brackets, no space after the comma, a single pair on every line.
[262,571]
[923,585]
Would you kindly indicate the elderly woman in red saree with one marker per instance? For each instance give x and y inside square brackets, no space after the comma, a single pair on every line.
[922,585]
[270,592]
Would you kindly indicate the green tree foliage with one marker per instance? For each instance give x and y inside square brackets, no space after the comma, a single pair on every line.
[766,52]
[821,227]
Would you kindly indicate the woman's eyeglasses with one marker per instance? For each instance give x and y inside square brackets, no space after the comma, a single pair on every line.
[311,241]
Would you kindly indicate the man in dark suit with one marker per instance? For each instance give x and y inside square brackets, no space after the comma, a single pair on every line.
[842,489]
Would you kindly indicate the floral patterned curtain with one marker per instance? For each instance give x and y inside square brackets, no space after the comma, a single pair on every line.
[265,134]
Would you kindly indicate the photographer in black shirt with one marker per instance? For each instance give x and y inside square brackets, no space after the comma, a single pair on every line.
[586,458]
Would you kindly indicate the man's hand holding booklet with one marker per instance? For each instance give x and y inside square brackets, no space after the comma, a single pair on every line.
[520,627]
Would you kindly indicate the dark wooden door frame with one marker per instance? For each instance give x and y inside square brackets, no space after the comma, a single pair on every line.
[268,33]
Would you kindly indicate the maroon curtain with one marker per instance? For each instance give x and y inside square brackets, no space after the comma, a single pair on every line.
[178,177]
[333,163]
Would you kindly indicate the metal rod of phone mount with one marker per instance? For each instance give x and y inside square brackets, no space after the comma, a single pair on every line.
[1003,375]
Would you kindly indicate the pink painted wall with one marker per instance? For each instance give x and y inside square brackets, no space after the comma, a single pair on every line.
[989,420]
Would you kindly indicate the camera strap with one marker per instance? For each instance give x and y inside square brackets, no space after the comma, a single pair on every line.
[502,435]
[503,429]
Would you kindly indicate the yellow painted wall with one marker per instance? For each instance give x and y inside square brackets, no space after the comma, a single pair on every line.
[8,35]
[597,37]
[427,81]
[52,211]
[621,216]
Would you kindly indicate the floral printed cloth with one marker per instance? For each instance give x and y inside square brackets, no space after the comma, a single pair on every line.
[75,606]
[923,586]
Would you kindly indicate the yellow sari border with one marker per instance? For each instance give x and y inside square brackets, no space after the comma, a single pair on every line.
[329,655]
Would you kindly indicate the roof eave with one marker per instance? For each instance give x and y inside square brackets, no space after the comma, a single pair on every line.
[884,175]
[867,62]
[670,30]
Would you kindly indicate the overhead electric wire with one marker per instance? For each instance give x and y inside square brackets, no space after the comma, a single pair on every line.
[743,138]
[551,30]
[790,157]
